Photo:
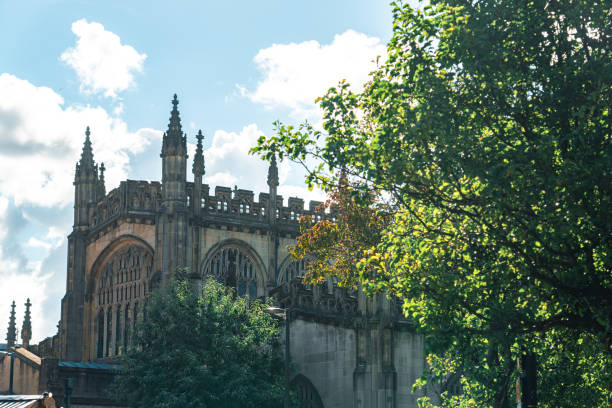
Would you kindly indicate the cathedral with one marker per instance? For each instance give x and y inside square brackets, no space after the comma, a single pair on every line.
[347,350]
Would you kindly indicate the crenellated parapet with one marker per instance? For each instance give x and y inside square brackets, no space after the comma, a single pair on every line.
[240,205]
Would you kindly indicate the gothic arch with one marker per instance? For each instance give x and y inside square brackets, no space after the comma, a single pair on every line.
[290,269]
[306,393]
[237,264]
[110,249]
[119,280]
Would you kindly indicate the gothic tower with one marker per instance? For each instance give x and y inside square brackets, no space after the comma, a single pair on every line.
[173,216]
[87,189]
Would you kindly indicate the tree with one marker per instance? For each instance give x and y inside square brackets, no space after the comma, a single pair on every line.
[213,350]
[488,127]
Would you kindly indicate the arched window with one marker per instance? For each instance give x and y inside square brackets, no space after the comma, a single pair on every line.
[291,270]
[306,393]
[118,285]
[234,267]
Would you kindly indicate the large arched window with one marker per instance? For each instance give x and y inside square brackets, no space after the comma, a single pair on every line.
[123,278]
[234,267]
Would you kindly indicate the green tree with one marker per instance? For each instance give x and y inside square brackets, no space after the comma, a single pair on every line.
[488,127]
[213,350]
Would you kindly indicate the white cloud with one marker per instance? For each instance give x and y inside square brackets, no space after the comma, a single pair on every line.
[41,140]
[23,286]
[296,74]
[19,287]
[229,164]
[37,243]
[102,63]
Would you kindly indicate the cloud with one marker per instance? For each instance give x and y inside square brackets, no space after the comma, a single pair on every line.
[13,285]
[41,140]
[38,243]
[22,286]
[229,164]
[102,63]
[296,74]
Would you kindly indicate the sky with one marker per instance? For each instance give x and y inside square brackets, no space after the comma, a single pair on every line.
[114,66]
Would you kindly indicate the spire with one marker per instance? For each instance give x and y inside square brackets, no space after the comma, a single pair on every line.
[174,127]
[86,164]
[11,335]
[198,159]
[174,141]
[26,328]
[273,173]
[87,153]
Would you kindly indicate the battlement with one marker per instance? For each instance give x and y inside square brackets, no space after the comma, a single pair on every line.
[139,197]
[241,203]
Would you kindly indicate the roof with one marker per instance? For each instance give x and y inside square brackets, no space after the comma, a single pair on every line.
[27,354]
[19,401]
[97,366]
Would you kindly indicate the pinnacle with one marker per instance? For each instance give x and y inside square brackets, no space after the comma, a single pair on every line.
[11,335]
[198,160]
[175,131]
[273,173]
[26,328]
[87,153]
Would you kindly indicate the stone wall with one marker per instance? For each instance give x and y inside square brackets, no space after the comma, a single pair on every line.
[325,355]
[26,370]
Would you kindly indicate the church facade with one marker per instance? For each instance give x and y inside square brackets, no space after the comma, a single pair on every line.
[347,349]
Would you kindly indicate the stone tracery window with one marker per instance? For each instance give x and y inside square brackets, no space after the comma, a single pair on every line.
[235,268]
[124,278]
[291,270]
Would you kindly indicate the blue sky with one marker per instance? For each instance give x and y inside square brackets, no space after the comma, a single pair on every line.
[114,65]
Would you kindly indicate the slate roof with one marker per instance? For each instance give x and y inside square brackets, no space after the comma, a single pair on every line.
[98,366]
[19,401]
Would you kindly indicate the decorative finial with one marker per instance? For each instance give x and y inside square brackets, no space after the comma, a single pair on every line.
[26,328]
[87,132]
[11,335]
[198,160]
[273,173]
[175,102]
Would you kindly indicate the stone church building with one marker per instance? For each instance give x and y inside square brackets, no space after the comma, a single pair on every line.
[348,350]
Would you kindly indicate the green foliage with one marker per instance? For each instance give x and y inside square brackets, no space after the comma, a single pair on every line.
[488,126]
[213,350]
[336,248]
